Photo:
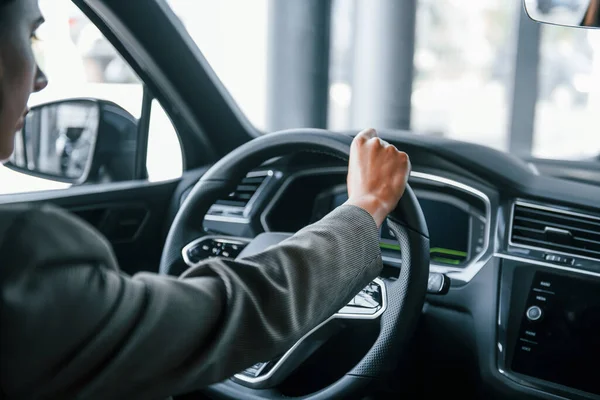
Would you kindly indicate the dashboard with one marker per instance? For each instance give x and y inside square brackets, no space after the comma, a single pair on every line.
[457,215]
[521,252]
[450,222]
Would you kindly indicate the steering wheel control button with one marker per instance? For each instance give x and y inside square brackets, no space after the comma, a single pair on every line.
[214,247]
[364,300]
[438,284]
[368,301]
[534,313]
[232,250]
[368,298]
[198,253]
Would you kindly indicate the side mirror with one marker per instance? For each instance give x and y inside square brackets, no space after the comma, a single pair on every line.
[77,141]
[573,13]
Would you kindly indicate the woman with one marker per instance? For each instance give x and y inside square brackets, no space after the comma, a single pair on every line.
[73,326]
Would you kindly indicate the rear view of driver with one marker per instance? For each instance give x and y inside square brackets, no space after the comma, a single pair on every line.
[73,326]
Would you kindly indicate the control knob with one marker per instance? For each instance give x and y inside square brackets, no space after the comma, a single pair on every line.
[534,313]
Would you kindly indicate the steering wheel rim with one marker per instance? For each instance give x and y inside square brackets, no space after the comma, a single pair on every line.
[405,296]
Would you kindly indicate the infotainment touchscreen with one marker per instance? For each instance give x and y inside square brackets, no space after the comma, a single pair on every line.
[559,337]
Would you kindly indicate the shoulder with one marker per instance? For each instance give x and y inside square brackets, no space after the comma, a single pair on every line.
[31,235]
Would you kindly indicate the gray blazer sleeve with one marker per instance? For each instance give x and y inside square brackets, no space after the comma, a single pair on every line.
[73,326]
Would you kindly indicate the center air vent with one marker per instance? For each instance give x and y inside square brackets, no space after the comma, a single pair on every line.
[555,230]
[240,197]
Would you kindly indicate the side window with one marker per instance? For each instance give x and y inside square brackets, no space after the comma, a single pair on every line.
[82,64]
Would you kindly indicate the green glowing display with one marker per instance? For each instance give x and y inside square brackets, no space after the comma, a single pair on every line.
[438,254]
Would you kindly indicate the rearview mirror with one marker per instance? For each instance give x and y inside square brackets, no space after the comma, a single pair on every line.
[77,141]
[574,13]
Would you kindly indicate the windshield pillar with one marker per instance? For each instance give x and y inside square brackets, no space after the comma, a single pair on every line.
[525,86]
[298,64]
[383,63]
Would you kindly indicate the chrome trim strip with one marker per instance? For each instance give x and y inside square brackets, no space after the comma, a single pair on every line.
[545,264]
[288,353]
[256,174]
[470,270]
[557,231]
[462,205]
[548,209]
[458,274]
[231,220]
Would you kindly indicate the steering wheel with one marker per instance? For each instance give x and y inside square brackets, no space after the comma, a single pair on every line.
[399,301]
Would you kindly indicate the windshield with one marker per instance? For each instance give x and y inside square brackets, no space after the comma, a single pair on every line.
[477,71]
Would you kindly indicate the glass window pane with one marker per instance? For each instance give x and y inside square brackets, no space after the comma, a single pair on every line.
[464,57]
[464,64]
[569,94]
[81,63]
[232,35]
[164,160]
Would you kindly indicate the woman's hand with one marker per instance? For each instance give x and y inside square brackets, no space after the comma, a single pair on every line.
[377,175]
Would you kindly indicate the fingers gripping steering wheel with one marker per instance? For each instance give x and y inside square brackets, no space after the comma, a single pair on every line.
[401,299]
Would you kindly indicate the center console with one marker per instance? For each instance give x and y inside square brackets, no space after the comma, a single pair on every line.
[550,329]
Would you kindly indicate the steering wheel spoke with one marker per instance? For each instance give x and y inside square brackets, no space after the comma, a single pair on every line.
[272,373]
[369,304]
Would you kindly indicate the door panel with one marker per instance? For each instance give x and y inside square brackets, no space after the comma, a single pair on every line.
[120,223]
[134,216]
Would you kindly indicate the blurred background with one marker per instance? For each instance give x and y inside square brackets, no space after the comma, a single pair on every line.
[465,64]
[477,71]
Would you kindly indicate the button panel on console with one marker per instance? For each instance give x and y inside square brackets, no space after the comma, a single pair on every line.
[558,337]
[559,259]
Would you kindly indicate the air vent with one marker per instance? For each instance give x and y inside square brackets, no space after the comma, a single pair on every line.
[556,230]
[244,191]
